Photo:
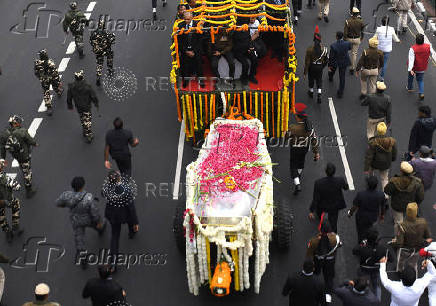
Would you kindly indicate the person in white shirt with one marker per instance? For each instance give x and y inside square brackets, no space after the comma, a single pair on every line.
[407,291]
[430,252]
[385,35]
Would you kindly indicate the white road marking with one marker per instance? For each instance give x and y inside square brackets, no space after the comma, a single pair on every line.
[91,6]
[12,175]
[87,15]
[341,145]
[42,107]
[421,30]
[63,64]
[179,161]
[34,126]
[14,164]
[71,48]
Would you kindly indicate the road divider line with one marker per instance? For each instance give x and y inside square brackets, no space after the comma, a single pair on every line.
[179,161]
[91,6]
[34,126]
[87,15]
[63,64]
[71,48]
[42,107]
[341,146]
[15,164]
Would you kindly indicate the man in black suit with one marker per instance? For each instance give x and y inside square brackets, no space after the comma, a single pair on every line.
[243,50]
[190,51]
[103,291]
[328,196]
[339,58]
[305,288]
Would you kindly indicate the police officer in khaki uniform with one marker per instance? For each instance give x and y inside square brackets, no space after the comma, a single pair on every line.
[369,65]
[300,136]
[41,296]
[353,32]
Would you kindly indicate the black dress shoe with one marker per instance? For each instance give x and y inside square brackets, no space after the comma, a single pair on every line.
[362,96]
[297,189]
[164,3]
[339,95]
[310,93]
[326,19]
[98,82]
[318,99]
[9,236]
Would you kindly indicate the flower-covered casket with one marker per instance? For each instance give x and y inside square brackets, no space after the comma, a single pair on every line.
[229,204]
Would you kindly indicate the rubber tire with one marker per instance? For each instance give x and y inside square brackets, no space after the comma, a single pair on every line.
[178,229]
[283,224]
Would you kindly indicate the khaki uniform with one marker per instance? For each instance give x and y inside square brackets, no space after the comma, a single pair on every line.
[353,32]
[369,64]
[324,8]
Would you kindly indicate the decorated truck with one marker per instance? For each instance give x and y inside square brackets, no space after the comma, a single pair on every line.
[230,212]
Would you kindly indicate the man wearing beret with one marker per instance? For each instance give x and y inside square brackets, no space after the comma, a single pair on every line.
[41,296]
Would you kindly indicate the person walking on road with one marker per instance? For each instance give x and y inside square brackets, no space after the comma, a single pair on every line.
[154,6]
[17,141]
[101,41]
[353,32]
[356,293]
[381,152]
[369,65]
[385,35]
[305,288]
[425,167]
[408,290]
[8,186]
[339,59]
[324,8]
[379,109]
[422,131]
[301,136]
[402,7]
[83,213]
[41,296]
[370,206]
[404,189]
[75,21]
[314,63]
[419,54]
[328,196]
[83,96]
[117,146]
[103,291]
[370,251]
[322,250]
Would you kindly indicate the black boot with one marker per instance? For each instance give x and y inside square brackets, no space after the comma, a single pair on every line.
[98,82]
[30,192]
[310,93]
[154,16]
[164,3]
[297,189]
[319,99]
[79,260]
[102,229]
[49,111]
[81,54]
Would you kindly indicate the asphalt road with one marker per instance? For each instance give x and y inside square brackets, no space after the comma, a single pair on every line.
[151,114]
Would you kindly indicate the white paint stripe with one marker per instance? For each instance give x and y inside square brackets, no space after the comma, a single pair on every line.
[91,6]
[179,161]
[223,99]
[63,64]
[421,30]
[341,145]
[42,107]
[87,15]
[34,126]
[51,87]
[71,48]
[12,175]
[14,164]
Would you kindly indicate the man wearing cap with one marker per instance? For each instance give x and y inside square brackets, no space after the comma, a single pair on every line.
[425,167]
[339,58]
[301,135]
[353,32]
[8,200]
[83,96]
[422,130]
[379,109]
[369,65]
[357,3]
[17,141]
[315,61]
[381,152]
[41,296]
[403,189]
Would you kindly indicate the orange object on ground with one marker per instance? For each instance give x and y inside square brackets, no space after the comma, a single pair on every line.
[221,280]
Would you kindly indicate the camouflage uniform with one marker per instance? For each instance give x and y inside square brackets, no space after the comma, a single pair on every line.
[101,42]
[19,143]
[83,96]
[76,21]
[7,186]
[47,73]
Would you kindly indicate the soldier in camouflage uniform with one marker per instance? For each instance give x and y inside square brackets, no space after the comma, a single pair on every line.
[17,141]
[101,41]
[47,73]
[76,21]
[83,96]
[7,200]
[83,213]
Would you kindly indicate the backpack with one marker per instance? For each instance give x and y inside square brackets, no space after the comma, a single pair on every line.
[13,144]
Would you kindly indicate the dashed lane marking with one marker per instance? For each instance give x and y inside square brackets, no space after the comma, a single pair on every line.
[34,126]
[179,161]
[63,64]
[87,15]
[341,145]
[91,6]
[14,164]
[12,175]
[71,48]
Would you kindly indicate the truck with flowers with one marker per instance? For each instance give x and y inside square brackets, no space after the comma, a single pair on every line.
[230,212]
